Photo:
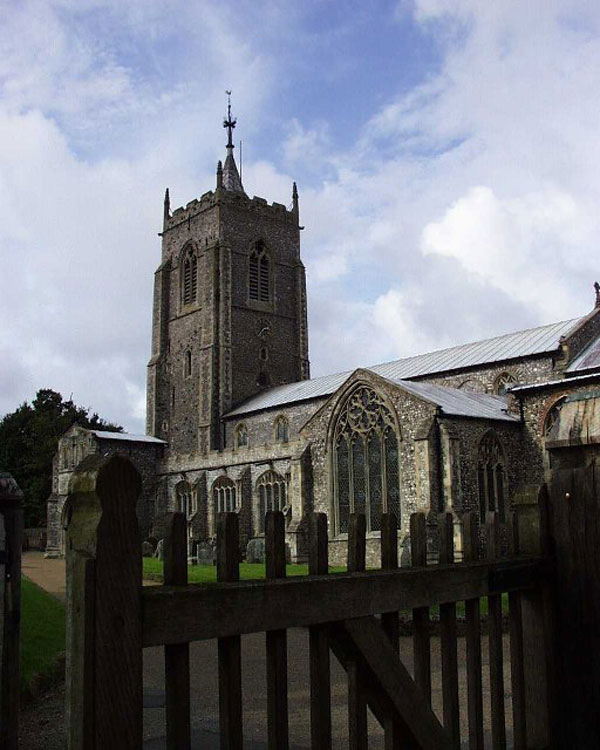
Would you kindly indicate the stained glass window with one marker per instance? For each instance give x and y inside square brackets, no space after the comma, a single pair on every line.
[366,464]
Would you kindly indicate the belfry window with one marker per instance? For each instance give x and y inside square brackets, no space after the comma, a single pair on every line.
[259,283]
[272,494]
[224,495]
[365,458]
[491,477]
[189,278]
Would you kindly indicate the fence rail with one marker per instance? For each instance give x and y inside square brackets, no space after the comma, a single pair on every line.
[353,615]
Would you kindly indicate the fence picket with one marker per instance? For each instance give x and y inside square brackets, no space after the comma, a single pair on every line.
[320,677]
[177,656]
[448,637]
[473,640]
[276,640]
[495,642]
[390,620]
[357,705]
[230,648]
[517,674]
[421,626]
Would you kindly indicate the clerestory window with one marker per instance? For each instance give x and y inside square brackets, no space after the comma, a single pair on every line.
[365,463]
[282,430]
[259,282]
[241,436]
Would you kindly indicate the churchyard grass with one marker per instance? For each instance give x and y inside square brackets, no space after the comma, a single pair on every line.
[42,636]
[153,571]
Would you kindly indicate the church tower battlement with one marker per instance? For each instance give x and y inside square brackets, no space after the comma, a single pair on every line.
[229,317]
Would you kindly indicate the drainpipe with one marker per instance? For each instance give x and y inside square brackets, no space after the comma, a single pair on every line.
[440,461]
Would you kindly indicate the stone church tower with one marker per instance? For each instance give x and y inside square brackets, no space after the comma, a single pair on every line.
[229,315]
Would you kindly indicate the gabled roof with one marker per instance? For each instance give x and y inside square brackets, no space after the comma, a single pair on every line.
[588,359]
[455,402]
[527,343]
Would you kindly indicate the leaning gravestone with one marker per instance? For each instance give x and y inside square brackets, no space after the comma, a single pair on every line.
[255,550]
[160,549]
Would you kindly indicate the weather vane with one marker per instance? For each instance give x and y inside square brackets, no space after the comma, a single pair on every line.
[229,123]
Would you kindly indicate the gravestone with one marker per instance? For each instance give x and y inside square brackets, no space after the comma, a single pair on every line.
[206,552]
[147,550]
[160,549]
[255,550]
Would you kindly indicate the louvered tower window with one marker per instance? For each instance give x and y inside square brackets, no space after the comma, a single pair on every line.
[366,466]
[259,274]
[190,278]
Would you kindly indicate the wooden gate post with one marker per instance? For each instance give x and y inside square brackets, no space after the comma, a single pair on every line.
[538,669]
[104,617]
[11,539]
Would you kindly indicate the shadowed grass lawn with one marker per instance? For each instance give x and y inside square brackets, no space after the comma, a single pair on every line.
[42,634]
[153,571]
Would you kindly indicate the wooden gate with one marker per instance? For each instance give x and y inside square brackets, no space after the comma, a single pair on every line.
[353,615]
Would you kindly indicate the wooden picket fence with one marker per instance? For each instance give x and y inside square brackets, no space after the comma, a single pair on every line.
[111,618]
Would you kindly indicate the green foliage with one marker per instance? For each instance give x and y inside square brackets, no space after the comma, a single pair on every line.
[29,439]
[42,633]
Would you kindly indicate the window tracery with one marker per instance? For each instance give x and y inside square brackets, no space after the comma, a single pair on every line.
[187,501]
[259,282]
[491,477]
[224,495]
[189,278]
[366,461]
[503,382]
[272,495]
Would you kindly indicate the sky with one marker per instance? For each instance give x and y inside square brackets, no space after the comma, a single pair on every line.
[446,153]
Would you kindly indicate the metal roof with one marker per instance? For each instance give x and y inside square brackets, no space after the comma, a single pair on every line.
[459,403]
[588,359]
[127,436]
[509,346]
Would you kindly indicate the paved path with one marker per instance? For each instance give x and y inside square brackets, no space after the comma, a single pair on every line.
[49,574]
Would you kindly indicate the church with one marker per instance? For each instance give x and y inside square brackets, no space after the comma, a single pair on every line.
[235,423]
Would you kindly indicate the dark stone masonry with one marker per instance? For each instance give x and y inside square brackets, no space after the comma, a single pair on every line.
[235,424]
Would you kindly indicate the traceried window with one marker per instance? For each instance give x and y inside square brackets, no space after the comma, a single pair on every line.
[552,415]
[491,477]
[259,283]
[186,499]
[282,430]
[365,458]
[189,278]
[503,382]
[224,495]
[241,436]
[272,495]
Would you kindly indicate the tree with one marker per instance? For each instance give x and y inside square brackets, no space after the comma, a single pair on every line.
[29,439]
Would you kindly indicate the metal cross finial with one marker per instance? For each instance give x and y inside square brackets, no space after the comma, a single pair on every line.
[229,123]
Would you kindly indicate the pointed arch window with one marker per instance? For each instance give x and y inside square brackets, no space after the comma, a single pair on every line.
[552,415]
[491,477]
[241,436]
[259,274]
[224,495]
[272,495]
[366,464]
[189,278]
[503,382]
[282,430]
[187,501]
